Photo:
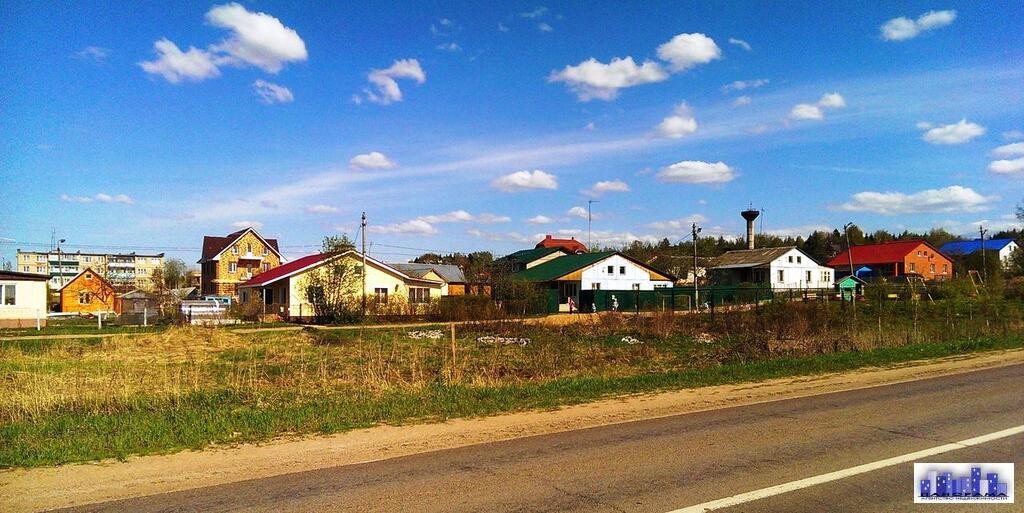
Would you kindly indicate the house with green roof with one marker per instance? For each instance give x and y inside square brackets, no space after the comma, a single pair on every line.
[607,270]
[529,258]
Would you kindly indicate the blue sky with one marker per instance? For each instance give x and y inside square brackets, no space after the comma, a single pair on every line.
[460,127]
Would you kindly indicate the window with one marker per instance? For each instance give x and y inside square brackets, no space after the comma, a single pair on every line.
[266,267]
[419,295]
[88,276]
[782,276]
[945,268]
[931,268]
[245,296]
[799,259]
[248,248]
[84,297]
[808,276]
[913,267]
[40,258]
[595,286]
[636,286]
[234,249]
[284,296]
[24,268]
[88,259]
[918,253]
[791,259]
[9,291]
[611,269]
[622,269]
[232,267]
[381,294]
[268,296]
[265,251]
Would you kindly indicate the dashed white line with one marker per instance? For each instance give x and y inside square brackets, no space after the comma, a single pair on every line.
[840,474]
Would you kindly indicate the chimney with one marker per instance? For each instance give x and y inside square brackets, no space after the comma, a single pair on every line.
[750,214]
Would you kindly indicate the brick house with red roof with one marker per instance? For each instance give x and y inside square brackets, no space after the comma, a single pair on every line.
[894,258]
[570,245]
[228,261]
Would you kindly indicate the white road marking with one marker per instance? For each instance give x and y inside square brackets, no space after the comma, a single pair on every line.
[840,474]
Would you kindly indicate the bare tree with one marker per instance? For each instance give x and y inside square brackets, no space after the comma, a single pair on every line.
[333,289]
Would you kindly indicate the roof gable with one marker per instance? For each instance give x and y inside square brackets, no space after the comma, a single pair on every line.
[214,246]
[561,266]
[755,257]
[526,256]
[82,273]
[308,262]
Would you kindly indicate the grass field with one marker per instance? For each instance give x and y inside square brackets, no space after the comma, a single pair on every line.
[85,399]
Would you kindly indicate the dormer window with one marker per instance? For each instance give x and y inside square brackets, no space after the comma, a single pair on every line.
[234,249]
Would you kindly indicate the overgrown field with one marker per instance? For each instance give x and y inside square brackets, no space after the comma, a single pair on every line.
[65,400]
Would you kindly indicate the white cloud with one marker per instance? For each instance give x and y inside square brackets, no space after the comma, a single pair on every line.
[592,79]
[740,43]
[956,133]
[1008,150]
[372,160]
[100,197]
[579,212]
[487,218]
[175,65]
[503,236]
[256,39]
[502,27]
[272,93]
[902,28]
[93,53]
[247,224]
[815,111]
[680,124]
[387,90]
[1013,135]
[740,85]
[695,171]
[1012,166]
[411,227]
[806,111]
[540,219]
[799,231]
[832,101]
[685,51]
[741,101]
[322,209]
[952,199]
[536,13]
[676,225]
[449,47]
[545,27]
[599,188]
[924,125]
[461,216]
[590,127]
[525,180]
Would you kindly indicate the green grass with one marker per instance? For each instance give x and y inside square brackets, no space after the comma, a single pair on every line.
[148,426]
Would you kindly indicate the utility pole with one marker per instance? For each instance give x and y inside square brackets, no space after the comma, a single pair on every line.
[696,304]
[984,268]
[362,231]
[60,264]
[849,248]
[590,204]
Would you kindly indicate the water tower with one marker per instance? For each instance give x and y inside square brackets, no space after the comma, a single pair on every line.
[750,214]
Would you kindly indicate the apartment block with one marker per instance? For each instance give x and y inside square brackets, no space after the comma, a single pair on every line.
[123,270]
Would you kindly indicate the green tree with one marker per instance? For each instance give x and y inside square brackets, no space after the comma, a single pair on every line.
[337,244]
[173,273]
[333,289]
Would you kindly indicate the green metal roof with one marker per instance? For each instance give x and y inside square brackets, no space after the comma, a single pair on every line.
[554,269]
[529,255]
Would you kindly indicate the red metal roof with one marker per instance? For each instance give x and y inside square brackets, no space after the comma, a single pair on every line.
[883,253]
[284,270]
[570,245]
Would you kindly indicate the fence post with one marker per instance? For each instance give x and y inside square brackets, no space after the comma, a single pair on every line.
[145,316]
[711,297]
[99,320]
[38,321]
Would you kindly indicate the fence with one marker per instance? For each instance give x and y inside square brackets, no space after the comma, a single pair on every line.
[674,298]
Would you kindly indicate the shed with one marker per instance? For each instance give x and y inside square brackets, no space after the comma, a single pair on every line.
[850,287]
[139,307]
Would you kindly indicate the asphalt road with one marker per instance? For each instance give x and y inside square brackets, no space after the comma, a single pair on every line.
[670,463]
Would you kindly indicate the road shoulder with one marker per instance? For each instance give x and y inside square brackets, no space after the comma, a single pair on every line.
[80,484]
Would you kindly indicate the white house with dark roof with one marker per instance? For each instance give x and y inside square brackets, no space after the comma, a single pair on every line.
[781,268]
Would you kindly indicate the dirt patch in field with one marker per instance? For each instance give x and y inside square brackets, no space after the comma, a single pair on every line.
[72,485]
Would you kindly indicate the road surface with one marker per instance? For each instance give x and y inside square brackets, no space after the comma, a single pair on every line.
[671,463]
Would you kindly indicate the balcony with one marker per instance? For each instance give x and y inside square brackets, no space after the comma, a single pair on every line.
[250,256]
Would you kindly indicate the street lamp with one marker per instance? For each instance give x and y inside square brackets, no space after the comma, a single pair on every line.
[60,263]
[849,248]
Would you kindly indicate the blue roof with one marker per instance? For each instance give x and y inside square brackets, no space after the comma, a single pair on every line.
[966,247]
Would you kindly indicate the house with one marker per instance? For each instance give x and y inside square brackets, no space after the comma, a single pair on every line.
[452,278]
[228,261]
[894,258]
[608,270]
[782,268]
[527,258]
[89,292]
[570,245]
[22,299]
[1005,248]
[123,270]
[283,288]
